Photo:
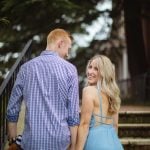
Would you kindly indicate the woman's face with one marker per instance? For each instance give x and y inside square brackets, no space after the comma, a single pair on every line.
[92,73]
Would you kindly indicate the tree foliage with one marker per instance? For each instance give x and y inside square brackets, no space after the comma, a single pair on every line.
[37,17]
[110,46]
[26,19]
[23,20]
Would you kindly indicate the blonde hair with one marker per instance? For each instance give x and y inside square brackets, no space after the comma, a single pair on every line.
[56,34]
[107,82]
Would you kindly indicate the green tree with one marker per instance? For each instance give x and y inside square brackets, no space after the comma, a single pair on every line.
[23,20]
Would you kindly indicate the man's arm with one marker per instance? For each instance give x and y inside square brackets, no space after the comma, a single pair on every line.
[14,105]
[73,107]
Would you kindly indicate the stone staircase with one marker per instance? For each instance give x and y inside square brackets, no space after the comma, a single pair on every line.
[134,129]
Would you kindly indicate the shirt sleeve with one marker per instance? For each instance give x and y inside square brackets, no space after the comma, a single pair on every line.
[15,100]
[73,100]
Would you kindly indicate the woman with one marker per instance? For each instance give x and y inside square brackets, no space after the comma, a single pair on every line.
[100,106]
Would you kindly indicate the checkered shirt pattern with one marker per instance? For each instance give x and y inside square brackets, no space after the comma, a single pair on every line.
[48,85]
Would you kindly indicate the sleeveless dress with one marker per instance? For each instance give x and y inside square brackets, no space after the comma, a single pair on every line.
[102,136]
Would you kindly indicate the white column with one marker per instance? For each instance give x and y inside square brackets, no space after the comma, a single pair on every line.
[125,73]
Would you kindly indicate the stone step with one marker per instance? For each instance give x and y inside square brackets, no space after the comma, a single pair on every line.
[134,130]
[134,117]
[135,143]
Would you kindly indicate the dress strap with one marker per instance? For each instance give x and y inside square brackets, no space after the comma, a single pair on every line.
[100,98]
[102,118]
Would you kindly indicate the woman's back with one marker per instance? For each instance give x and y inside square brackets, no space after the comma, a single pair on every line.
[101,107]
[102,134]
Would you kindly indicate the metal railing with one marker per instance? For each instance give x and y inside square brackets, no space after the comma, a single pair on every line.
[5,90]
[135,90]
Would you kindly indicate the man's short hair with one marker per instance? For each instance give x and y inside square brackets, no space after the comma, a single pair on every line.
[56,34]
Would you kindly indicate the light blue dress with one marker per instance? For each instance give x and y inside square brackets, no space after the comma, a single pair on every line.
[102,136]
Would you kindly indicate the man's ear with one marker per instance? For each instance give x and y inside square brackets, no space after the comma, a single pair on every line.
[60,43]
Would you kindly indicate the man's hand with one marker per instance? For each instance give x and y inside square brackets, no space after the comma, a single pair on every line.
[14,146]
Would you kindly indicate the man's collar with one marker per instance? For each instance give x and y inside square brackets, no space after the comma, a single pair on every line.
[49,52]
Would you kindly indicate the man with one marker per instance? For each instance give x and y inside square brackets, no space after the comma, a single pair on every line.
[49,87]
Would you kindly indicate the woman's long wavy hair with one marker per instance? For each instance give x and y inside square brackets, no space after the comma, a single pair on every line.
[107,81]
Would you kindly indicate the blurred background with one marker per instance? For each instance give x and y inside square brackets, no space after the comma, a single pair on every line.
[119,29]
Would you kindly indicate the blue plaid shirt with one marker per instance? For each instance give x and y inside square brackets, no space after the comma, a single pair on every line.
[49,86]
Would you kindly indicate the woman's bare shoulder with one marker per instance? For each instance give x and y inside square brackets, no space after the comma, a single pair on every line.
[88,94]
[89,90]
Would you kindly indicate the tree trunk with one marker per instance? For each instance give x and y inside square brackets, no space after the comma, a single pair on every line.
[134,37]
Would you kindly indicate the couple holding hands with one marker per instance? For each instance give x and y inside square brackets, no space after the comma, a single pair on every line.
[48,84]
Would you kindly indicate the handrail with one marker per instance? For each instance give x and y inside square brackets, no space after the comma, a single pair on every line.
[4,83]
[135,90]
[6,87]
